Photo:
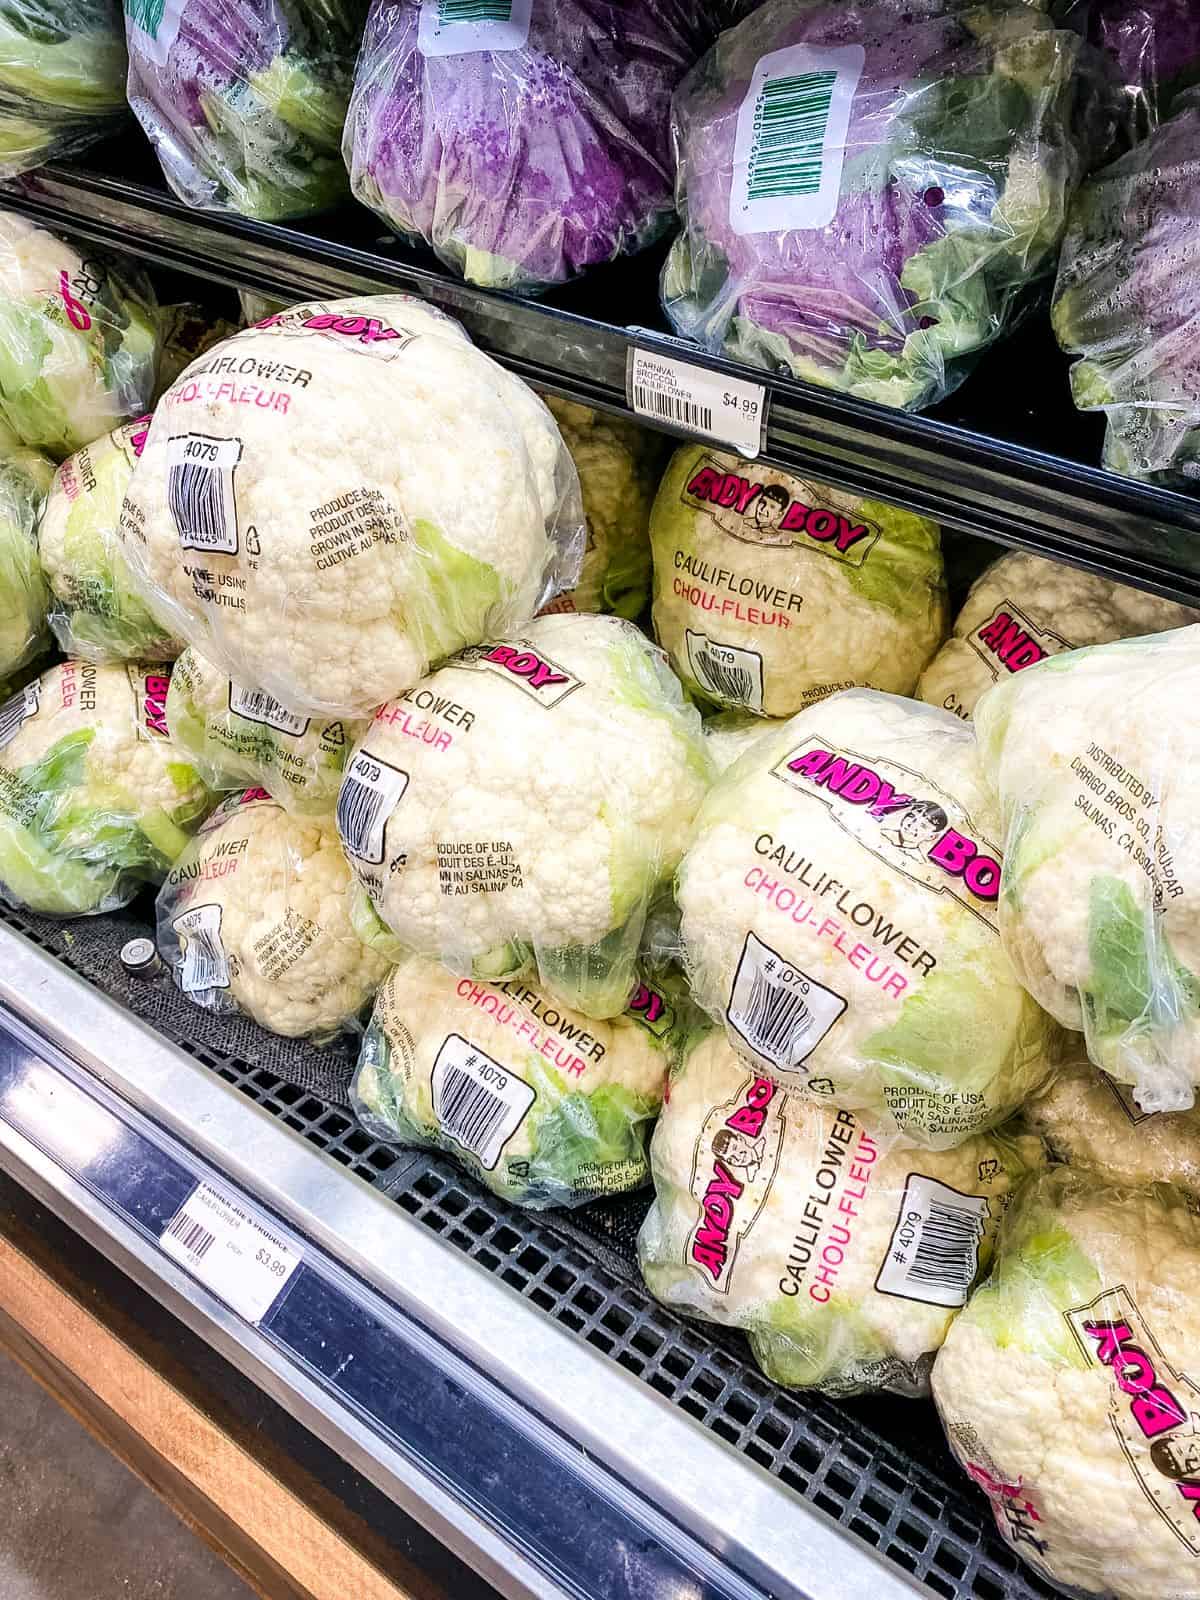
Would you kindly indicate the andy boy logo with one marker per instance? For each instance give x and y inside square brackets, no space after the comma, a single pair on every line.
[651,1009]
[519,663]
[369,334]
[734,1166]
[154,703]
[1009,640]
[765,511]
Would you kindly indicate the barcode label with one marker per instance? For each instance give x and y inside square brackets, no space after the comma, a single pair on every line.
[205,964]
[15,712]
[778,1011]
[256,705]
[200,491]
[370,792]
[725,672]
[791,139]
[689,397]
[157,26]
[477,1102]
[231,1250]
[459,27]
[934,1252]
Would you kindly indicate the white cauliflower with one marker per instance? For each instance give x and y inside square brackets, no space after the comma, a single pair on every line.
[771,593]
[845,1261]
[541,1104]
[97,612]
[272,524]
[1085,1119]
[95,797]
[1065,1389]
[520,807]
[79,339]
[618,465]
[256,916]
[838,916]
[1099,913]
[24,478]
[1024,608]
[731,733]
[243,737]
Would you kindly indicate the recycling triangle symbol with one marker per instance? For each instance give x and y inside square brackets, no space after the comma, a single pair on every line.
[252,545]
[334,734]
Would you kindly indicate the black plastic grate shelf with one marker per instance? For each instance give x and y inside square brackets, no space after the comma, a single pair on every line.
[878,1467]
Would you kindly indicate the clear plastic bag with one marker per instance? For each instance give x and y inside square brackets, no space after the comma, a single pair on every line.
[866,188]
[95,610]
[770,592]
[1153,47]
[272,526]
[80,338]
[526,143]
[1023,609]
[255,917]
[838,918]
[730,734]
[843,1258]
[62,78]
[520,809]
[1065,1389]
[244,100]
[542,1105]
[241,737]
[95,797]
[24,479]
[1096,784]
[188,332]
[1127,301]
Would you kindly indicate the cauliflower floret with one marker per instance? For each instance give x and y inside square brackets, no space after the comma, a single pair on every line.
[771,593]
[1023,609]
[843,1260]
[837,905]
[522,805]
[731,733]
[95,797]
[24,478]
[257,916]
[541,1104]
[98,613]
[1065,1387]
[1096,782]
[271,526]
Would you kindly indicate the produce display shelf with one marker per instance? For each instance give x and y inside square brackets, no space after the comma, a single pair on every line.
[1006,457]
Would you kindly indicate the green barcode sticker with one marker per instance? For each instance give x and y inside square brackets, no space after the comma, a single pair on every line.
[460,27]
[145,14]
[455,11]
[157,26]
[790,119]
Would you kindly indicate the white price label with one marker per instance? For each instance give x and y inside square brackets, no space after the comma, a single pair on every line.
[666,389]
[934,1251]
[230,1251]
[462,27]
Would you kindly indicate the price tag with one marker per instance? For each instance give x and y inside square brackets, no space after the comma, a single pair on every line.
[230,1251]
[666,389]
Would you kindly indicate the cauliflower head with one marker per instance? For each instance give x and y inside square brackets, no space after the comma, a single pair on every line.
[1023,609]
[731,733]
[257,916]
[541,1104]
[79,339]
[838,916]
[843,1259]
[24,479]
[242,738]
[96,612]
[271,524]
[1085,1119]
[1063,1386]
[95,796]
[1101,888]
[519,808]
[771,593]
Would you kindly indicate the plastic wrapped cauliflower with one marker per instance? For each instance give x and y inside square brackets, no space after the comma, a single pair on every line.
[730,734]
[238,737]
[96,612]
[1085,1119]
[541,1104]
[79,339]
[1023,609]
[24,478]
[62,78]
[770,593]
[95,797]
[1102,861]
[256,916]
[267,526]
[1064,1389]
[618,465]
[838,916]
[520,808]
[844,1261]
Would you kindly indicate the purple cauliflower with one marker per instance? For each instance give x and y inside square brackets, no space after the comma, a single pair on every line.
[1153,45]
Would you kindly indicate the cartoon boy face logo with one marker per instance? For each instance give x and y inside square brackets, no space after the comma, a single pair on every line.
[739,1152]
[769,507]
[1178,1455]
[916,827]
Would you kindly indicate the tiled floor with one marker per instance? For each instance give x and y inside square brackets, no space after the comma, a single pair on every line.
[77,1525]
